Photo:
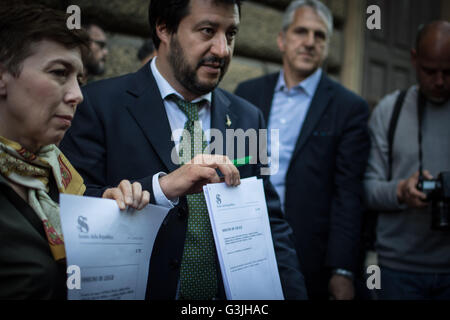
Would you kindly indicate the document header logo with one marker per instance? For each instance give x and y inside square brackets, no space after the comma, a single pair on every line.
[82,224]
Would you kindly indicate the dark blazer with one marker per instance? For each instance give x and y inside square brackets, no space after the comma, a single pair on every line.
[121,131]
[323,182]
[27,267]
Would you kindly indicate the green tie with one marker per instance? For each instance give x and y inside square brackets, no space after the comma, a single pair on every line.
[198,274]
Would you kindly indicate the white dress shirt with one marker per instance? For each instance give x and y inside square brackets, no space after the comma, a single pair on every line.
[177,120]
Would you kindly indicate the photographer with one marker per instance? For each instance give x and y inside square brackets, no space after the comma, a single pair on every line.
[413,253]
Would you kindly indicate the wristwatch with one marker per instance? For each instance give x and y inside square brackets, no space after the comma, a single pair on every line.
[343,272]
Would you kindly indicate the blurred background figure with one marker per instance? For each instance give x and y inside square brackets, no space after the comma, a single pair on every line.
[146,51]
[410,131]
[95,62]
[323,148]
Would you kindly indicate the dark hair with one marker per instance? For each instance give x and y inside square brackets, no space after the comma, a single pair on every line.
[146,49]
[171,12]
[87,22]
[21,25]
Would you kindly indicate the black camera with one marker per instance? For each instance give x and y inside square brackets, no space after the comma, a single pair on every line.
[438,193]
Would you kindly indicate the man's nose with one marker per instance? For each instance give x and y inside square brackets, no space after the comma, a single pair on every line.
[220,47]
[439,79]
[309,39]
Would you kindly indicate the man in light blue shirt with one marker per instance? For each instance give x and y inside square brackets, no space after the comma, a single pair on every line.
[322,150]
[289,109]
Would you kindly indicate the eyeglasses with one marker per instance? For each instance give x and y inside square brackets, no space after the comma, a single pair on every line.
[100,43]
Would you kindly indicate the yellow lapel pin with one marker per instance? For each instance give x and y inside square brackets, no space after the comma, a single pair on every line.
[228,123]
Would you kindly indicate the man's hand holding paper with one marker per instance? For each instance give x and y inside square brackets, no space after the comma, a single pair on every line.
[191,177]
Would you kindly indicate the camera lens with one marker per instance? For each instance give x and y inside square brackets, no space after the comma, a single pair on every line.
[440,216]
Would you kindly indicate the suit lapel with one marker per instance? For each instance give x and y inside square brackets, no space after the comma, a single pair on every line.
[318,105]
[221,116]
[150,114]
[267,95]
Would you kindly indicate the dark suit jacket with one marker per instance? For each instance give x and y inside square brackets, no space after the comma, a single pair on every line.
[121,131]
[27,267]
[323,182]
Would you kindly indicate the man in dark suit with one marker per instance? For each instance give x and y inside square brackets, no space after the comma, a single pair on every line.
[127,126]
[322,150]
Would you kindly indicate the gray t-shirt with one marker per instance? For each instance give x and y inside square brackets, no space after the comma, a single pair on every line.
[405,240]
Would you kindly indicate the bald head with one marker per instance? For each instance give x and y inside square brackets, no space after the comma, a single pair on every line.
[436,31]
[431,58]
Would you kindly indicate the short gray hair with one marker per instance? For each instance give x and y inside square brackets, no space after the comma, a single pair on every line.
[321,9]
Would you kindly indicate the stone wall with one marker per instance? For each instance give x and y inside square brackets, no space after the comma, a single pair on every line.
[256,51]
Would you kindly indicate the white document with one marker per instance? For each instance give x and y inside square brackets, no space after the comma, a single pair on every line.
[243,239]
[112,248]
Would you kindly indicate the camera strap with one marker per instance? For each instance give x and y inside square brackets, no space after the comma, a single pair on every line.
[392,126]
[421,102]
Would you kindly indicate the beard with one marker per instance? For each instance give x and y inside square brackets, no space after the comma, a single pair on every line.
[94,67]
[436,100]
[186,75]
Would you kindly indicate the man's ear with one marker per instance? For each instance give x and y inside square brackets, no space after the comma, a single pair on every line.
[281,41]
[163,33]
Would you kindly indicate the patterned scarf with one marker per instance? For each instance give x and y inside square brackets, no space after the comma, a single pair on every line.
[33,172]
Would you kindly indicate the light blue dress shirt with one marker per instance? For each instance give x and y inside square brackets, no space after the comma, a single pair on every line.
[288,112]
[177,119]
